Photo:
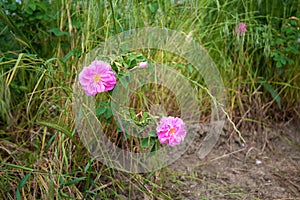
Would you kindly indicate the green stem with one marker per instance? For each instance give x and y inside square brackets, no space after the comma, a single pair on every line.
[113,15]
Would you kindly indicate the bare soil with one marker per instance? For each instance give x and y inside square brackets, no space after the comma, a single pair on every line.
[266,167]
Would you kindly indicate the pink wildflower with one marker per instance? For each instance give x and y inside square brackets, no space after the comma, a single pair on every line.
[142,65]
[171,131]
[240,29]
[97,77]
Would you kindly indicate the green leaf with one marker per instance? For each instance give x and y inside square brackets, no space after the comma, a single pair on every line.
[278,64]
[154,147]
[29,11]
[12,6]
[50,142]
[152,133]
[279,41]
[132,114]
[153,7]
[290,61]
[67,56]
[101,110]
[18,195]
[108,113]
[42,6]
[294,49]
[191,69]
[132,57]
[32,5]
[274,94]
[58,128]
[75,181]
[61,180]
[145,115]
[50,60]
[22,182]
[89,164]
[147,142]
[19,167]
[57,32]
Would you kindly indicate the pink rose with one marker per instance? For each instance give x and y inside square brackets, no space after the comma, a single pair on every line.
[171,131]
[97,77]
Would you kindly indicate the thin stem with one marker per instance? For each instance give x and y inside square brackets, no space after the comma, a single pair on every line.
[113,15]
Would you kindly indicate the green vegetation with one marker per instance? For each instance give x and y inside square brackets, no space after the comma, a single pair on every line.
[43,46]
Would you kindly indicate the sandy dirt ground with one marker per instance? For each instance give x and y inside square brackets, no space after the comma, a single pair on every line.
[267,167]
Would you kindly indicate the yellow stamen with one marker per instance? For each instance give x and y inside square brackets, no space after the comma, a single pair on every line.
[97,78]
[172,131]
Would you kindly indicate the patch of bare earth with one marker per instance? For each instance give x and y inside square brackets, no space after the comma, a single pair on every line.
[267,167]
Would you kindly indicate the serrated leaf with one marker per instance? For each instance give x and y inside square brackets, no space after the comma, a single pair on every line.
[101,110]
[108,113]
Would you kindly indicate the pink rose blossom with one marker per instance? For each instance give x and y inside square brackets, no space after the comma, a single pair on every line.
[171,131]
[142,65]
[97,77]
[240,29]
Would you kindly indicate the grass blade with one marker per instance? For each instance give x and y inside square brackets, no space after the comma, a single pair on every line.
[22,182]
[58,128]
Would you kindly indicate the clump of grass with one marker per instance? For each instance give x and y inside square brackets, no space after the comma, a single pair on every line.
[41,154]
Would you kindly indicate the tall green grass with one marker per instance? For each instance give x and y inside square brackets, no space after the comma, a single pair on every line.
[41,155]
